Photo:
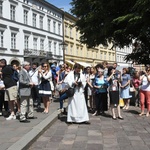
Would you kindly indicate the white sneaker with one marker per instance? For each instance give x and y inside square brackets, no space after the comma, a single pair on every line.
[11,117]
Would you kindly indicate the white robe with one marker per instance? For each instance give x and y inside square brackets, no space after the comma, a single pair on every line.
[77,109]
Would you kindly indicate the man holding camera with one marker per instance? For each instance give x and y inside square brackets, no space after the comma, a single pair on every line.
[77,110]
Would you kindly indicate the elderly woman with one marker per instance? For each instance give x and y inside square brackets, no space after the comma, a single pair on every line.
[100,85]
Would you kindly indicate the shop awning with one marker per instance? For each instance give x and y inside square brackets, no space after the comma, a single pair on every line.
[84,64]
[70,62]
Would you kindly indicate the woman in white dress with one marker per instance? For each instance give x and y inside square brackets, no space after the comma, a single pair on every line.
[77,110]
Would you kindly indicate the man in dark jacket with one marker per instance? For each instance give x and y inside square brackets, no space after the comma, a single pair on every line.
[11,87]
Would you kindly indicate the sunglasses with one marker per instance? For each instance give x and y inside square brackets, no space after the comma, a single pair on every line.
[44,66]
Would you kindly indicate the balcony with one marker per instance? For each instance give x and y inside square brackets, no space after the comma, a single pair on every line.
[37,53]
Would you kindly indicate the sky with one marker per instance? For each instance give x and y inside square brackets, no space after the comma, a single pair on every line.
[61,4]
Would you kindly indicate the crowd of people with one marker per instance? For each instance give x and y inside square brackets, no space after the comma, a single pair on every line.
[91,89]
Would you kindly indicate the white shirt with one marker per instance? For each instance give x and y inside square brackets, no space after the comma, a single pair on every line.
[34,76]
[145,84]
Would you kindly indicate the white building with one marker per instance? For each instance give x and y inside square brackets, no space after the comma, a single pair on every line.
[30,30]
[120,57]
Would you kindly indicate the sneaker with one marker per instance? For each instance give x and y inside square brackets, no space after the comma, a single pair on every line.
[1,113]
[11,117]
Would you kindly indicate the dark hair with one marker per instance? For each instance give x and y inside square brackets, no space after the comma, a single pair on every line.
[3,61]
[77,66]
[35,63]
[147,68]
[99,66]
[110,68]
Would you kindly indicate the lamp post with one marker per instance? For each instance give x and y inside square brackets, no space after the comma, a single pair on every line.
[64,45]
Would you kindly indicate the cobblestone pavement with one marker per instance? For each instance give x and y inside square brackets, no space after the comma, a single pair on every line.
[104,133]
[12,131]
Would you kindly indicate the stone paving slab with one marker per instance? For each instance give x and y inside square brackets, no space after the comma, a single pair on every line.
[17,136]
[103,133]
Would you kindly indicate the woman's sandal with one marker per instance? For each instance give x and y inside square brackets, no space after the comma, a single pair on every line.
[141,114]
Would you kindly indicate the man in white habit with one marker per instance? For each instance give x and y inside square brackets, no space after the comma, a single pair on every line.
[77,109]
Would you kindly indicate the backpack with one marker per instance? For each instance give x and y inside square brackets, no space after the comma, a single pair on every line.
[15,75]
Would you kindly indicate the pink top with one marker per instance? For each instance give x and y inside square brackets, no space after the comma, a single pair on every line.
[136,83]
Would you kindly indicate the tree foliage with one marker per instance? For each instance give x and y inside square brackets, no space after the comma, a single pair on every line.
[116,21]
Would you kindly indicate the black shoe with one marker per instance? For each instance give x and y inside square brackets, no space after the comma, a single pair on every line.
[32,117]
[24,121]
[86,122]
[120,118]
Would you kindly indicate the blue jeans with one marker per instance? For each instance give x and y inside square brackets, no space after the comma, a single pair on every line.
[62,97]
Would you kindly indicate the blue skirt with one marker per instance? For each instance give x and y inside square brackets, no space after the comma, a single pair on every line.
[125,93]
[45,88]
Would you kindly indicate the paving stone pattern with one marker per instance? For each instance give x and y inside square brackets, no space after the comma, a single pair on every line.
[12,131]
[104,133]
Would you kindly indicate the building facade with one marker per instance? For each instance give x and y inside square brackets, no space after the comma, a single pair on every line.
[30,30]
[120,57]
[75,51]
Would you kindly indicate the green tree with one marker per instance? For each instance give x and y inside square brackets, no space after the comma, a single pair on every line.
[116,21]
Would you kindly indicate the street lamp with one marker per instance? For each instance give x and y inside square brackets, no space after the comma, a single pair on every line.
[64,45]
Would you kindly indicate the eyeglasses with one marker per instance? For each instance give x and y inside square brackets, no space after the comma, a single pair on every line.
[44,66]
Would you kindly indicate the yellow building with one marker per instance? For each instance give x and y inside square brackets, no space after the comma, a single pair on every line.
[75,51]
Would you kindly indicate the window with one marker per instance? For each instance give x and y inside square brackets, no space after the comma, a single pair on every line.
[105,56]
[66,50]
[70,32]
[41,22]
[12,12]
[34,20]
[54,27]
[101,56]
[42,44]
[25,17]
[81,52]
[1,8]
[77,51]
[65,30]
[35,43]
[1,39]
[87,54]
[50,45]
[113,57]
[26,42]
[49,24]
[59,50]
[71,49]
[54,48]
[13,40]
[59,29]
[76,35]
[109,56]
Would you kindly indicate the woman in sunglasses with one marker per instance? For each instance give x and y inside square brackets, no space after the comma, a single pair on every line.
[44,88]
[145,91]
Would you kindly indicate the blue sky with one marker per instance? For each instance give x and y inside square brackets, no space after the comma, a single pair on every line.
[61,4]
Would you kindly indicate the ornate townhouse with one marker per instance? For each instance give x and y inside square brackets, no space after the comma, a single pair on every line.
[30,30]
[77,52]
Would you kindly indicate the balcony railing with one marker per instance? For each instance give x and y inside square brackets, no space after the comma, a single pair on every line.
[36,53]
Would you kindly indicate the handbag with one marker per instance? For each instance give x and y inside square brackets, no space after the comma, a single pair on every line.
[132,89]
[70,92]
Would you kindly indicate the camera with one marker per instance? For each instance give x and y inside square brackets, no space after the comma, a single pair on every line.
[79,83]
